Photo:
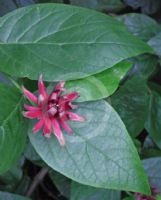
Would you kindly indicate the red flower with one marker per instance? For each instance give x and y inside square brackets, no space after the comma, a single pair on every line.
[51,111]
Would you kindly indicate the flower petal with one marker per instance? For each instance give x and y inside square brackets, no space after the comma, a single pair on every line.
[71,96]
[53,96]
[75,117]
[29,95]
[58,133]
[42,88]
[47,127]
[31,108]
[32,114]
[65,126]
[60,86]
[38,125]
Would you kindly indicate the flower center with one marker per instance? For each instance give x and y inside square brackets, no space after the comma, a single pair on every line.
[52,108]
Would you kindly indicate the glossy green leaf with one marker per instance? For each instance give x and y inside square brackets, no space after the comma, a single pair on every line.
[129,198]
[12,127]
[131,102]
[152,167]
[50,1]
[158,197]
[153,123]
[9,5]
[83,192]
[142,26]
[10,196]
[62,183]
[109,5]
[155,43]
[144,66]
[100,153]
[63,42]
[150,149]
[23,186]
[31,154]
[100,85]
[147,6]
[10,179]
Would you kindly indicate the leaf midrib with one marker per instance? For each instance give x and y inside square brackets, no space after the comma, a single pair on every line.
[72,43]
[11,113]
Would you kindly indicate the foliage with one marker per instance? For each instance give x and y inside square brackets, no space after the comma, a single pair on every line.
[108,52]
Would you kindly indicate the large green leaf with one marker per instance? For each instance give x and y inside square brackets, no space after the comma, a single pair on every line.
[155,43]
[131,102]
[140,25]
[129,198]
[153,167]
[144,66]
[147,6]
[83,192]
[158,197]
[109,5]
[100,85]
[10,196]
[153,123]
[63,42]
[9,5]
[62,183]
[100,153]
[12,127]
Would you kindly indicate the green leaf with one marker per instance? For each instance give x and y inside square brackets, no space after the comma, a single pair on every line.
[12,127]
[153,123]
[63,42]
[158,197]
[152,167]
[12,175]
[50,1]
[142,26]
[100,85]
[83,192]
[144,66]
[31,154]
[109,5]
[9,196]
[11,178]
[62,183]
[155,43]
[9,5]
[155,87]
[100,153]
[23,186]
[131,102]
[129,198]
[147,6]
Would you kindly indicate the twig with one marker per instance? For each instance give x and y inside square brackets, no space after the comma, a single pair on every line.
[48,192]
[37,180]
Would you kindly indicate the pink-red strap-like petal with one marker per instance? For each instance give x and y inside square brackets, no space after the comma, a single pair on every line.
[47,127]
[32,114]
[31,108]
[53,96]
[58,133]
[60,86]
[75,117]
[71,96]
[42,88]
[65,126]
[29,95]
[38,125]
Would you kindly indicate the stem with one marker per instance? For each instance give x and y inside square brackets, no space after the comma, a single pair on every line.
[48,192]
[37,180]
